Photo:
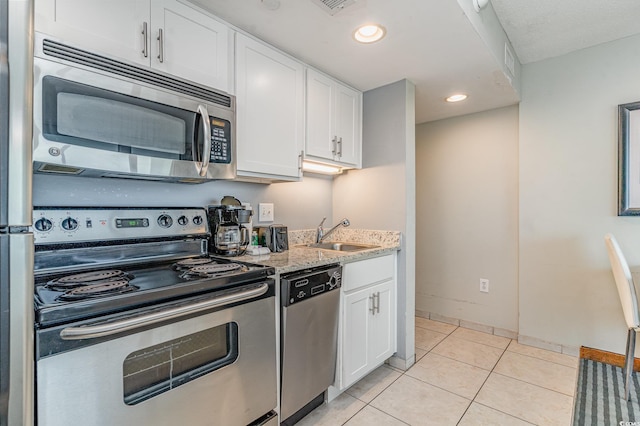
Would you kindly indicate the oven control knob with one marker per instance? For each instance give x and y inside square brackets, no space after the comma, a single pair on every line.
[165,221]
[69,224]
[43,224]
[182,220]
[197,220]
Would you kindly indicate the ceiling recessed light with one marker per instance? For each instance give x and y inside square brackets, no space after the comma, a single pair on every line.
[456,98]
[369,33]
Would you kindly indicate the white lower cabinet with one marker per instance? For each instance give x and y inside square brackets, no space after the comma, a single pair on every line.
[367,335]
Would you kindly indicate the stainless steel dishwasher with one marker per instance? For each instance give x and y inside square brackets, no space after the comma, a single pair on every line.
[309,338]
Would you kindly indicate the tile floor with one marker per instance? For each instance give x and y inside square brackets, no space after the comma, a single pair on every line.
[461,377]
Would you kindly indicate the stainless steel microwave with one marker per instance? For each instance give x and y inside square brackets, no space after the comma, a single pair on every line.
[99,117]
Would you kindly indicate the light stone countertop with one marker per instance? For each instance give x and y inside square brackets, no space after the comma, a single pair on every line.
[297,257]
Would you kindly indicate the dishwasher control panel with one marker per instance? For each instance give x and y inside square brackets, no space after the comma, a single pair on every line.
[307,283]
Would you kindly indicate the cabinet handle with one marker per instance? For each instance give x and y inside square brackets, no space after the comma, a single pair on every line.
[160,46]
[372,298]
[300,158]
[340,146]
[334,142]
[145,46]
[377,300]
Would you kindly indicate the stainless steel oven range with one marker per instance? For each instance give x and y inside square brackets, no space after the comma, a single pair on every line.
[136,325]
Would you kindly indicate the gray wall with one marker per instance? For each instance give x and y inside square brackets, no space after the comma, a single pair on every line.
[566,165]
[382,194]
[568,194]
[299,205]
[467,209]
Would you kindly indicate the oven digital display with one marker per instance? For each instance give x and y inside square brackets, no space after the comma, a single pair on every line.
[132,223]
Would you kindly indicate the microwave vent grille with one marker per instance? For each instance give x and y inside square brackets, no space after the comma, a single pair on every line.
[92,60]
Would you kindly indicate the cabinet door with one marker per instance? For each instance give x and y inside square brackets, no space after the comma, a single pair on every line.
[113,27]
[356,335]
[382,341]
[348,125]
[270,111]
[194,45]
[320,118]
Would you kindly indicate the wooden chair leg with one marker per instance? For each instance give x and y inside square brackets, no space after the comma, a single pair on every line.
[628,362]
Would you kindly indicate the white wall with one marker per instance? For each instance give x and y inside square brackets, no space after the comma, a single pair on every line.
[382,194]
[299,205]
[568,194]
[467,209]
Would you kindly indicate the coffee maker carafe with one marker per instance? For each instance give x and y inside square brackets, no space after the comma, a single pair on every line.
[228,236]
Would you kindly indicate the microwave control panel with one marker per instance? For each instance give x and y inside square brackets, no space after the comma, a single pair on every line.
[220,141]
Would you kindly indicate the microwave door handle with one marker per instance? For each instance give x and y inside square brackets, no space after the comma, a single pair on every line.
[206,152]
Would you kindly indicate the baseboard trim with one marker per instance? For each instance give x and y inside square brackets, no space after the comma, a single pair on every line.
[525,340]
[607,357]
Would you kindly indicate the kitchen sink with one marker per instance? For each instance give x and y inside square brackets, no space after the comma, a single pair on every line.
[337,246]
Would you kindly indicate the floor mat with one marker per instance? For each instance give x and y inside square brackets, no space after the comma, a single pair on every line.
[600,396]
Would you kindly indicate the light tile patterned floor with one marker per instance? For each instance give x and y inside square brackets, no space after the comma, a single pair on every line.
[461,377]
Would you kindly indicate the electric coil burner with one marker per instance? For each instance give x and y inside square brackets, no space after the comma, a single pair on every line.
[212,270]
[92,284]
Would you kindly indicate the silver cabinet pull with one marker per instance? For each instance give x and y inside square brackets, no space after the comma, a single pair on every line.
[107,329]
[334,141]
[372,298]
[300,159]
[160,46]
[340,146]
[206,150]
[377,300]
[145,46]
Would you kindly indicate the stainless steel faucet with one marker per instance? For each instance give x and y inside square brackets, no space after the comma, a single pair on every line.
[321,235]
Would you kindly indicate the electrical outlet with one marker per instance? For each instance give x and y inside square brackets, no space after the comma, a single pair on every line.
[265,212]
[484,285]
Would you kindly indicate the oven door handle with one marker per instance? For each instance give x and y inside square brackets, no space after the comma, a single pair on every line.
[108,329]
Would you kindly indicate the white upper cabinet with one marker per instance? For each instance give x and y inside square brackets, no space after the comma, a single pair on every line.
[164,34]
[194,46]
[112,27]
[334,121]
[269,112]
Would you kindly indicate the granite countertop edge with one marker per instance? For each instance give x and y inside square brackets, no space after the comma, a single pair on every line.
[299,257]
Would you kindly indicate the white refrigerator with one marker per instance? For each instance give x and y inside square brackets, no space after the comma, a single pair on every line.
[16,238]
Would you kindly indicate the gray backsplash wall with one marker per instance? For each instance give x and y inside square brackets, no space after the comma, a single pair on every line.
[299,205]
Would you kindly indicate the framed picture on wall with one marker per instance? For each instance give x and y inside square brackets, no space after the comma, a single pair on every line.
[629,159]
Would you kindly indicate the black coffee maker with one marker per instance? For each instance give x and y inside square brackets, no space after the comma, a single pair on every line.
[228,236]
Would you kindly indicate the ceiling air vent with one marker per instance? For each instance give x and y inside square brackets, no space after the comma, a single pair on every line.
[333,6]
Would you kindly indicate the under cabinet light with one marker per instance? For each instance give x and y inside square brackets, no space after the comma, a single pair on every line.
[326,169]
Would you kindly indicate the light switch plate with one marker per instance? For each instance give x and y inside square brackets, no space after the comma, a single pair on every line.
[265,212]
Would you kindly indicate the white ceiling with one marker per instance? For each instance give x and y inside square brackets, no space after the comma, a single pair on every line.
[429,42]
[543,29]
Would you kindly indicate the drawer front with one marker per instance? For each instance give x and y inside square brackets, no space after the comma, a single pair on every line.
[366,272]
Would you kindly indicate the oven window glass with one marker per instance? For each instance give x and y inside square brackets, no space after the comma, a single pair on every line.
[165,366]
[83,115]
